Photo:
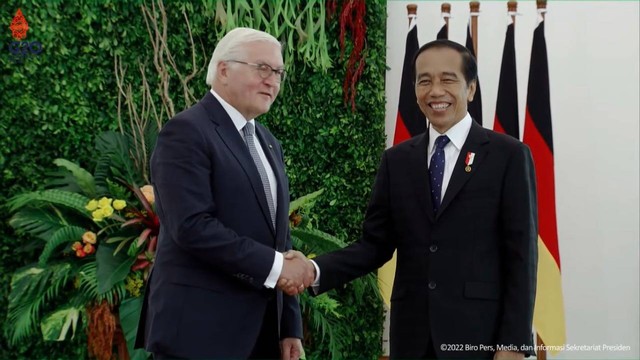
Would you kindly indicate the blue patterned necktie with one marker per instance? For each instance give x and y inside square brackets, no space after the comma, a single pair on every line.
[436,171]
[248,131]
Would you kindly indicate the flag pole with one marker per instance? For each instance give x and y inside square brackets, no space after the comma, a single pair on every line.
[445,9]
[512,7]
[541,353]
[412,10]
[474,8]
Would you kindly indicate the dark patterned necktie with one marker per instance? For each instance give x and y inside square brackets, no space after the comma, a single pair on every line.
[248,131]
[436,171]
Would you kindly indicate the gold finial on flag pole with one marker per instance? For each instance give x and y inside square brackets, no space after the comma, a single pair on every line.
[512,7]
[412,10]
[541,4]
[445,9]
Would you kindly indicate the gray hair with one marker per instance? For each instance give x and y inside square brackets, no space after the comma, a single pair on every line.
[231,47]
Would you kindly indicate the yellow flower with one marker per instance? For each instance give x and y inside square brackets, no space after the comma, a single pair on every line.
[107,211]
[133,285]
[104,202]
[119,204]
[92,205]
[147,191]
[89,237]
[97,215]
[76,246]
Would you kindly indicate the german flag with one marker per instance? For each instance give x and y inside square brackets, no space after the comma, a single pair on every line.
[410,120]
[548,316]
[475,106]
[506,120]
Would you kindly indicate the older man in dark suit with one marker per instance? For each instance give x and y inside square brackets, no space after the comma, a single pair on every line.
[222,197]
[458,203]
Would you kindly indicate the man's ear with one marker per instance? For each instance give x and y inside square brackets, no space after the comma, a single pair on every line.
[471,90]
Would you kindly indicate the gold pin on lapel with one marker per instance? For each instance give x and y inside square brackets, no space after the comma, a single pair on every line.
[469,161]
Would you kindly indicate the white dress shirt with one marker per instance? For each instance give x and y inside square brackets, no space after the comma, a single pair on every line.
[239,121]
[457,135]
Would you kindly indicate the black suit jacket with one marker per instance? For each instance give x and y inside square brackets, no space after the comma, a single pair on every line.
[466,276]
[205,296]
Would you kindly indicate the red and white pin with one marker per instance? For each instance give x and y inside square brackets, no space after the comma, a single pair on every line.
[469,161]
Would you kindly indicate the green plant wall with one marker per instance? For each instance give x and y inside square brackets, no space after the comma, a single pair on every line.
[53,104]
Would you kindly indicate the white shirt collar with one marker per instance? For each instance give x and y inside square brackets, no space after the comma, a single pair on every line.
[238,119]
[457,133]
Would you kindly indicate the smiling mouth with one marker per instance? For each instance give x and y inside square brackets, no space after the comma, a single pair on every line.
[439,106]
[267,94]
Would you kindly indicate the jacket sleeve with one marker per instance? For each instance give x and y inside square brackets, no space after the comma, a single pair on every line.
[519,219]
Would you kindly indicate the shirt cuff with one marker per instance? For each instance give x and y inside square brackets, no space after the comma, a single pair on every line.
[276,269]
[316,283]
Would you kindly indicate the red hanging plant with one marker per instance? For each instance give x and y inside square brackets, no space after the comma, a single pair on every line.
[352,18]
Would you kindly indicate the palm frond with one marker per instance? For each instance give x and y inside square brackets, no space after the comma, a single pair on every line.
[117,148]
[88,286]
[31,287]
[79,178]
[63,235]
[40,222]
[56,197]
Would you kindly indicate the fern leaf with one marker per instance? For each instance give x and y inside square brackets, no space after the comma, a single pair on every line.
[63,235]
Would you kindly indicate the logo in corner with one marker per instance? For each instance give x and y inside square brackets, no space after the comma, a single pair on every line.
[20,50]
[19,26]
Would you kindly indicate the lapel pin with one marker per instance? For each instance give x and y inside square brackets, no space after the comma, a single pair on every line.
[270,147]
[469,161]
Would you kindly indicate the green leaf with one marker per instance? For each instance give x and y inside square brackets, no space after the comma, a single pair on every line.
[130,310]
[82,177]
[63,235]
[56,325]
[304,201]
[40,222]
[111,269]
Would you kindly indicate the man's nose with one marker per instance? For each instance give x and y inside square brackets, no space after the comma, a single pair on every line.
[436,89]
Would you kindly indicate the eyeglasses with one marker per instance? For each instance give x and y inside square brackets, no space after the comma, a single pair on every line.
[264,70]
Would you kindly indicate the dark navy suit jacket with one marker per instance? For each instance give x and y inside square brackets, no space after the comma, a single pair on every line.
[205,297]
[466,276]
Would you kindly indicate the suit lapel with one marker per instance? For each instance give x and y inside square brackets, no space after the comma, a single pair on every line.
[419,174]
[475,142]
[238,149]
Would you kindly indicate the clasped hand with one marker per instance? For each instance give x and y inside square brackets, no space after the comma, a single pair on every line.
[298,273]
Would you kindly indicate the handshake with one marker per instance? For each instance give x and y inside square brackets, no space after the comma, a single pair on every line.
[298,273]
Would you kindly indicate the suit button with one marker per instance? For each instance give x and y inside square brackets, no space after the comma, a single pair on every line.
[433,248]
[432,285]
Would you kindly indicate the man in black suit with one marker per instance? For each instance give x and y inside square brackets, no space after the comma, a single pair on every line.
[458,203]
[222,197]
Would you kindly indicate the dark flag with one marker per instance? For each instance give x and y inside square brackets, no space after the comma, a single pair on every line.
[410,120]
[548,316]
[443,33]
[475,106]
[506,120]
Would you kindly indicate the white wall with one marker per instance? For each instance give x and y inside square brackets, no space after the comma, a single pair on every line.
[593,49]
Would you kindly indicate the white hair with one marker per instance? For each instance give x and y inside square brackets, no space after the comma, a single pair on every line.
[231,47]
